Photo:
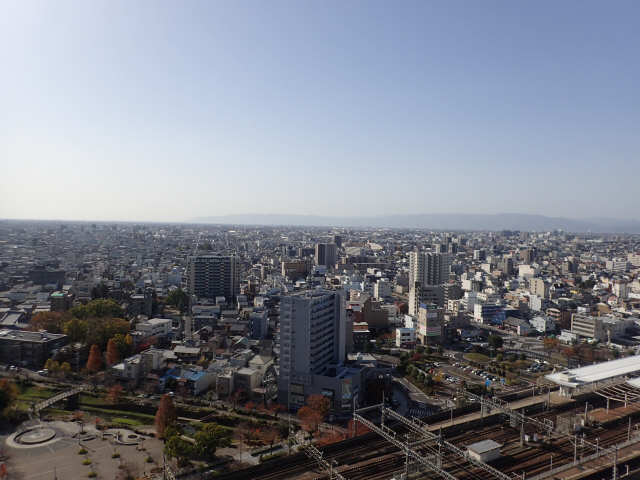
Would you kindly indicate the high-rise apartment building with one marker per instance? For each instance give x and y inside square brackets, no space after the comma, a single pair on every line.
[211,276]
[537,286]
[427,274]
[326,254]
[430,320]
[312,332]
[429,268]
[313,337]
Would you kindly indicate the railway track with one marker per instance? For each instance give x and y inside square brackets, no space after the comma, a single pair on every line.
[371,457]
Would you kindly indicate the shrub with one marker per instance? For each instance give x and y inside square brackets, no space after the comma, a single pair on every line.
[86,461]
[149,460]
[92,474]
[115,455]
[82,451]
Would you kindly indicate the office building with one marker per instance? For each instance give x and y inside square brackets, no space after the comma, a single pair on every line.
[211,276]
[588,327]
[326,254]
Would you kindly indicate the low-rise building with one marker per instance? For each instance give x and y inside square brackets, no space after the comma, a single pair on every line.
[405,337]
[29,349]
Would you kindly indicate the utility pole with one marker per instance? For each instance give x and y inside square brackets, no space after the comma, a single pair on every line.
[575,449]
[629,430]
[615,463]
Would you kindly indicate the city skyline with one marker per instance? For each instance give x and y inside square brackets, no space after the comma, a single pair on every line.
[150,111]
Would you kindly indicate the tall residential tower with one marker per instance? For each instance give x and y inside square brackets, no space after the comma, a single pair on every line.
[211,276]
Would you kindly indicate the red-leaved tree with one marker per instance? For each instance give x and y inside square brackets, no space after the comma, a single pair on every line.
[94,362]
[166,414]
[113,355]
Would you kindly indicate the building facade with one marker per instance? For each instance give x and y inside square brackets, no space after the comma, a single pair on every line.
[211,276]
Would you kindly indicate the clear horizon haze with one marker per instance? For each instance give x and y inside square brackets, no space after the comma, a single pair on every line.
[170,111]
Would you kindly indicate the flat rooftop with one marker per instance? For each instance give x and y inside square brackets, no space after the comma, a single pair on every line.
[484,446]
[25,336]
[598,372]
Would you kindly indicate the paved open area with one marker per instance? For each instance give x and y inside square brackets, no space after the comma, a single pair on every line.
[60,456]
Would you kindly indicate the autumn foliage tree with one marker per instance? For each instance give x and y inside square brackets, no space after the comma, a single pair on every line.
[356,428]
[276,408]
[8,395]
[52,322]
[113,354]
[94,362]
[319,403]
[314,412]
[166,414]
[115,393]
[269,436]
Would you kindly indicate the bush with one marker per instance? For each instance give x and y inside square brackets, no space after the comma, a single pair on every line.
[86,461]
[82,451]
[92,474]
[149,460]
[115,455]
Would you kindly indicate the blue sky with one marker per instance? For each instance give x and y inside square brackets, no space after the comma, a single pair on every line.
[119,110]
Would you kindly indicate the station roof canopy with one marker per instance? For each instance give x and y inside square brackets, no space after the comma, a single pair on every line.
[598,372]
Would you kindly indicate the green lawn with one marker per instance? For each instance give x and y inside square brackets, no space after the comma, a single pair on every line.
[36,394]
[476,357]
[128,422]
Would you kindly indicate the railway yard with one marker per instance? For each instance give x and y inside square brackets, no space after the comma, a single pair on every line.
[527,451]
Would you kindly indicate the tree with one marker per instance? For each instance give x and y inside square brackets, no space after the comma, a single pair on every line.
[115,393]
[113,354]
[52,365]
[65,368]
[178,298]
[209,439]
[98,308]
[100,291]
[276,408]
[52,322]
[101,329]
[94,362]
[269,436]
[549,344]
[8,395]
[495,341]
[319,403]
[165,415]
[177,447]
[76,329]
[124,344]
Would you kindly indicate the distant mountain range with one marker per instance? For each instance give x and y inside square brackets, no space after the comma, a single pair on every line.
[500,221]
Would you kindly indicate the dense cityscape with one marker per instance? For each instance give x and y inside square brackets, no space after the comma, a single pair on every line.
[271,352]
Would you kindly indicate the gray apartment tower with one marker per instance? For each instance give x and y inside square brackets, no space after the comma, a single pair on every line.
[312,349]
[429,268]
[211,276]
[326,254]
